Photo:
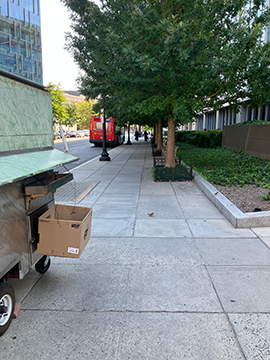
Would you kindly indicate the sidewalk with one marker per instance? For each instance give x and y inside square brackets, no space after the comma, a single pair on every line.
[164,276]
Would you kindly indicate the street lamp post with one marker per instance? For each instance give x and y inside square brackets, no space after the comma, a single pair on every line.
[129,142]
[104,156]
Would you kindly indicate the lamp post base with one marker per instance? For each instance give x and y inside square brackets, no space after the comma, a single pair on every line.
[104,156]
[128,142]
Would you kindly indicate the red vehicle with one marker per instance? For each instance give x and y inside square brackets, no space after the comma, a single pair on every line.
[114,134]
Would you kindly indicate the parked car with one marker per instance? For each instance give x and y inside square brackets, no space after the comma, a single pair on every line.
[80,133]
[57,135]
[86,133]
[74,134]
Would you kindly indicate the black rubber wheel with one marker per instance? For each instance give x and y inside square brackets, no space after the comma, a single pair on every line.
[43,264]
[7,303]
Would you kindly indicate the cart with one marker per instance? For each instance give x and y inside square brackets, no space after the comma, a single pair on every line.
[27,181]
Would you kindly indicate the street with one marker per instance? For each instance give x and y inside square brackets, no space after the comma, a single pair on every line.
[81,148]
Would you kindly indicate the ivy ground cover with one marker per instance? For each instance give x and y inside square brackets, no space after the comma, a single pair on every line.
[226,167]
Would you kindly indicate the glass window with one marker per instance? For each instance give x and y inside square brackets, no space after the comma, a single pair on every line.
[10,60]
[99,125]
[17,31]
[25,35]
[15,11]
[17,38]
[27,4]
[6,27]
[35,19]
[4,41]
[28,51]
[3,8]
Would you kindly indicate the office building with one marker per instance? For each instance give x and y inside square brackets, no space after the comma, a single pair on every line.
[20,38]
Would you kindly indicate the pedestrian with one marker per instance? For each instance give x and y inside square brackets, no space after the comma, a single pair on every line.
[145,136]
[137,135]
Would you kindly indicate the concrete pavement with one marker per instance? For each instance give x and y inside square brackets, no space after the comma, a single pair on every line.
[164,276]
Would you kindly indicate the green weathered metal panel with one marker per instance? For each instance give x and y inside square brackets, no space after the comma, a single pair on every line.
[15,167]
[25,116]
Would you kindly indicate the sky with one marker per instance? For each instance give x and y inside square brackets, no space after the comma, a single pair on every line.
[58,64]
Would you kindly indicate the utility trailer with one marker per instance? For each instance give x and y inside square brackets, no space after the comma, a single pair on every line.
[27,181]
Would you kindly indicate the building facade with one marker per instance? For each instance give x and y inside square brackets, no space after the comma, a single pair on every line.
[73,96]
[20,38]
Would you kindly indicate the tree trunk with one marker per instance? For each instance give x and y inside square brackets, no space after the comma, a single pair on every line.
[170,156]
[159,134]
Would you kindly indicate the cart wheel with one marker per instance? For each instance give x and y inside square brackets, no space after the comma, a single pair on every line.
[7,303]
[43,264]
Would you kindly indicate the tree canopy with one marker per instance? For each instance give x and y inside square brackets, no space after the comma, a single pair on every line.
[84,113]
[58,108]
[171,59]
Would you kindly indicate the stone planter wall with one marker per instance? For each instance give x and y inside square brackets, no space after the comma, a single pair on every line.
[251,139]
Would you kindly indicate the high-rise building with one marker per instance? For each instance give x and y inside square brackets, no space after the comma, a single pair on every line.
[20,38]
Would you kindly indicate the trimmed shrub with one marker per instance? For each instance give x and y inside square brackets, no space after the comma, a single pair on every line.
[204,139]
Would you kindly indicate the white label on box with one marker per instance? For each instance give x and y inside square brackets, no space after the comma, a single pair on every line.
[72,250]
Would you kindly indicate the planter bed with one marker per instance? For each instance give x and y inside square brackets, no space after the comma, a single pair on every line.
[178,173]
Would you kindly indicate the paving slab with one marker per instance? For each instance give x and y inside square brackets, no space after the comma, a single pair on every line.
[118,211]
[122,190]
[112,227]
[266,241]
[253,331]
[233,252]
[113,199]
[79,288]
[161,207]
[170,288]
[262,232]
[23,287]
[102,251]
[194,207]
[242,288]
[153,227]
[206,228]
[70,335]
[165,251]
[186,187]
[155,188]
[159,336]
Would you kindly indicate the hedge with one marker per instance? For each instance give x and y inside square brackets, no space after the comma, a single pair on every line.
[203,139]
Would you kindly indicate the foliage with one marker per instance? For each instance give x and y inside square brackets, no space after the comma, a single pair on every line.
[252,122]
[59,110]
[176,173]
[266,196]
[71,109]
[226,167]
[203,139]
[148,128]
[84,113]
[170,59]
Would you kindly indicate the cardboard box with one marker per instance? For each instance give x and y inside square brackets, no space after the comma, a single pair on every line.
[64,231]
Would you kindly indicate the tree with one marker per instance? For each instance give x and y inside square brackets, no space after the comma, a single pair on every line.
[72,111]
[172,58]
[58,108]
[85,112]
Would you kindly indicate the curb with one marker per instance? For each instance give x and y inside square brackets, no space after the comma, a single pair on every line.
[236,217]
